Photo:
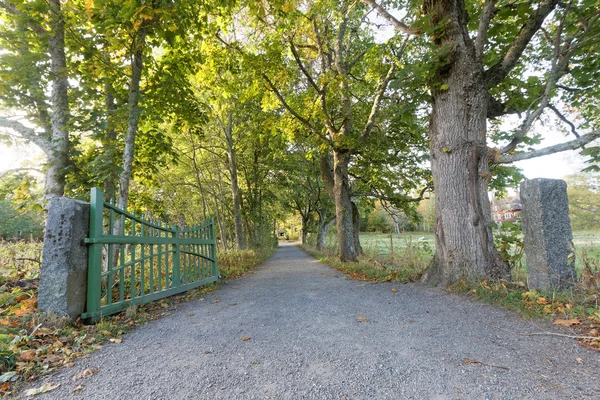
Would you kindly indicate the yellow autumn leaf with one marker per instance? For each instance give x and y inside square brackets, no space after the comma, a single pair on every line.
[541,300]
[567,322]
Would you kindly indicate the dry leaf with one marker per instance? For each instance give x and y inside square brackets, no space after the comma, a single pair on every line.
[27,355]
[106,333]
[541,300]
[579,360]
[78,388]
[115,340]
[567,322]
[246,338]
[46,387]
[86,373]
[4,388]
[394,290]
[191,314]
[216,300]
[362,318]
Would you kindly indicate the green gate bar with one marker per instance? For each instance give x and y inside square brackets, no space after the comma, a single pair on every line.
[126,268]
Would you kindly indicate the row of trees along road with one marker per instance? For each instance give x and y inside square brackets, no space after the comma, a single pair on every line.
[251,110]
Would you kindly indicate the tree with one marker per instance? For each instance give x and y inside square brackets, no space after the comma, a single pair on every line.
[584,201]
[478,70]
[33,40]
[326,69]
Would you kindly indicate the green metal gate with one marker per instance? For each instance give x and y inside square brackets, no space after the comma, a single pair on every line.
[132,260]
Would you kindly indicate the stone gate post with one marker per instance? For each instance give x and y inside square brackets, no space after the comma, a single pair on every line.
[63,277]
[548,238]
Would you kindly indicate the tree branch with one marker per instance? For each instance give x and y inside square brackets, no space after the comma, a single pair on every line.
[402,27]
[26,133]
[311,81]
[377,103]
[571,145]
[565,120]
[500,70]
[484,23]
[9,171]
[560,62]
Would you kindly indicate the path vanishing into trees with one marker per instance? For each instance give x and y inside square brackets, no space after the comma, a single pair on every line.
[313,334]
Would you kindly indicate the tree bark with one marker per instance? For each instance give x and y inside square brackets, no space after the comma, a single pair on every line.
[58,158]
[343,206]
[356,228]
[110,140]
[460,158]
[322,233]
[235,189]
[137,64]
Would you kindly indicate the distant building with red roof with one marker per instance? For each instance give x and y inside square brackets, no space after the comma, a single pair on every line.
[507,208]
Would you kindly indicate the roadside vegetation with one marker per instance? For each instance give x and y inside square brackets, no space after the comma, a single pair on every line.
[34,343]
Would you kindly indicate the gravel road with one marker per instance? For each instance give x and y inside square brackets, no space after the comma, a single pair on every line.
[313,334]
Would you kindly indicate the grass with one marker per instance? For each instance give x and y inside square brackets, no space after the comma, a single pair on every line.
[20,260]
[234,264]
[385,259]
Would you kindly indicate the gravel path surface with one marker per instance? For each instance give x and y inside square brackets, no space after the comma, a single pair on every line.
[316,335]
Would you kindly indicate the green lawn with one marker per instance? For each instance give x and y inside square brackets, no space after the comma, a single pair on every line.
[383,243]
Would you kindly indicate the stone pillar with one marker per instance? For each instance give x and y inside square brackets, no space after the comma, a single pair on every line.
[63,277]
[548,238]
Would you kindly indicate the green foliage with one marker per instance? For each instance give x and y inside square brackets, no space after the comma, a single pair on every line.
[508,239]
[20,260]
[584,201]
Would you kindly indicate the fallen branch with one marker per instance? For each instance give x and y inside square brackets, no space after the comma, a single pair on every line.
[472,361]
[561,335]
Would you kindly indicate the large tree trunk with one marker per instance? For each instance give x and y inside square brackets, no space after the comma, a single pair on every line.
[343,206]
[459,158]
[59,143]
[134,117]
[235,189]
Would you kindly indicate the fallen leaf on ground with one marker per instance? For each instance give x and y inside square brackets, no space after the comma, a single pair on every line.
[46,387]
[4,388]
[394,290]
[216,300]
[579,360]
[362,318]
[115,340]
[7,376]
[567,322]
[541,300]
[246,338]
[86,373]
[27,355]
[78,388]
[191,314]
